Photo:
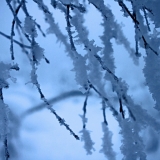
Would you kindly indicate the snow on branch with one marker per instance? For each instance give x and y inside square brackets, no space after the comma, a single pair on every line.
[88,143]
[4,125]
[107,149]
[132,145]
[99,5]
[13,24]
[49,106]
[136,17]
[4,109]
[115,113]
[94,68]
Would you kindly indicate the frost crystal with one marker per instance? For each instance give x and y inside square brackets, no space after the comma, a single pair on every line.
[29,26]
[4,74]
[96,67]
[88,143]
[107,143]
[37,52]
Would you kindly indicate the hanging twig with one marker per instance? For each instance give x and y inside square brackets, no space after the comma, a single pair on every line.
[5,126]
[69,29]
[104,111]
[49,106]
[85,109]
[121,108]
[145,16]
[12,27]
[99,9]
[133,17]
[118,82]
[115,113]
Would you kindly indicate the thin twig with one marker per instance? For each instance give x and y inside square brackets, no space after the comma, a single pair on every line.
[106,68]
[121,108]
[12,28]
[133,17]
[69,29]
[117,81]
[104,111]
[5,125]
[99,9]
[34,80]
[15,41]
[53,100]
[85,109]
[127,10]
[145,16]
[105,99]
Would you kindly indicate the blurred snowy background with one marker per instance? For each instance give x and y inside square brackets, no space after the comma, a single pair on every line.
[39,135]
